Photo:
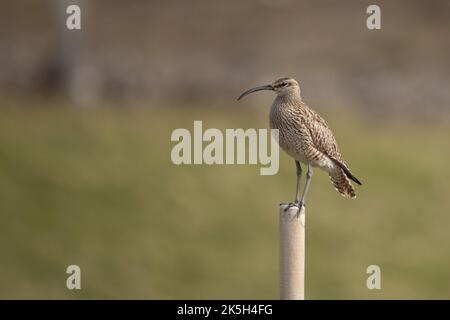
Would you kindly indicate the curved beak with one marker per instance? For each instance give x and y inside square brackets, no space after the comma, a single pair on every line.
[266,87]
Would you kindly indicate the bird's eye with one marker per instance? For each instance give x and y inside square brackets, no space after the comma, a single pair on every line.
[284,84]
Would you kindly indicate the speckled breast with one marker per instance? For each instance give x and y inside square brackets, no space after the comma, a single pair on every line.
[290,128]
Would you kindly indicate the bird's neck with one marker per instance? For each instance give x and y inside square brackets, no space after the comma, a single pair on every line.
[291,98]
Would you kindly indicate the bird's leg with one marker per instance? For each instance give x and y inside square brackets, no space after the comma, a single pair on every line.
[297,189]
[299,176]
[309,174]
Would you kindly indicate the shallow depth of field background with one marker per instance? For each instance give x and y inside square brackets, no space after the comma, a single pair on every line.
[85,170]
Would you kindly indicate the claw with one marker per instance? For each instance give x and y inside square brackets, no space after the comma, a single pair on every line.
[300,206]
[292,204]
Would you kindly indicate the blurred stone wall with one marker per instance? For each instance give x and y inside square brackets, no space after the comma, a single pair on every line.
[209,51]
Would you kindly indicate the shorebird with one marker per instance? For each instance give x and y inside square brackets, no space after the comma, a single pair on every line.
[305,136]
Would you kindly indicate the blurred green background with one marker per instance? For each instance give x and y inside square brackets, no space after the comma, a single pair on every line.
[85,170]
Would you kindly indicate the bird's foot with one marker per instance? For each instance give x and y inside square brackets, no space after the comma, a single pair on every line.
[301,205]
[297,204]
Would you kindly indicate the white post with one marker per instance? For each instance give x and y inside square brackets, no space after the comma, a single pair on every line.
[292,253]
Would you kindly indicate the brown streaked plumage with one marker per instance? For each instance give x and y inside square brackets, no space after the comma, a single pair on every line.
[306,137]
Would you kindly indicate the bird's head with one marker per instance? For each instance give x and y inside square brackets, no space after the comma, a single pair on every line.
[282,87]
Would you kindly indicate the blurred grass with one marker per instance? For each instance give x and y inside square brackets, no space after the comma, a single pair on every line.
[97,188]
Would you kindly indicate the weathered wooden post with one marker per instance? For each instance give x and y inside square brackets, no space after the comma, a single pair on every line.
[292,253]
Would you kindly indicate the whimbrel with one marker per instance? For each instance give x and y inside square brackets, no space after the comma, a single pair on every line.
[306,137]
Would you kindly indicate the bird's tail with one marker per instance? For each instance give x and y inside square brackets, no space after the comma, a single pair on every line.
[342,183]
